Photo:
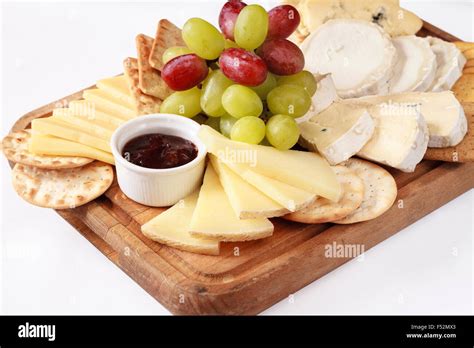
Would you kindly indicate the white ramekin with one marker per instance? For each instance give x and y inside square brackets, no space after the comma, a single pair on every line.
[158,187]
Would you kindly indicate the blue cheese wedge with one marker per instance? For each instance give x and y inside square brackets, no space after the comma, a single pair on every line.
[359,56]
[415,69]
[337,133]
[450,62]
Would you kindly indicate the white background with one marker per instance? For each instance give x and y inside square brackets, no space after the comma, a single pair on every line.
[50,50]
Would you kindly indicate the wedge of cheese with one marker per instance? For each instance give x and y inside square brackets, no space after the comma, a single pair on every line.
[415,69]
[359,55]
[85,124]
[450,62]
[63,130]
[400,138]
[87,109]
[117,87]
[247,201]
[290,197]
[171,227]
[109,104]
[444,115]
[304,170]
[337,133]
[214,217]
[50,145]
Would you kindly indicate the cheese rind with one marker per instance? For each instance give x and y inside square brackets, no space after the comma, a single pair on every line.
[246,200]
[359,55]
[171,227]
[338,132]
[305,170]
[214,217]
[53,146]
[107,103]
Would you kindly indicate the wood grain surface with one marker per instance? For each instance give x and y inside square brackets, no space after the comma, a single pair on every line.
[247,278]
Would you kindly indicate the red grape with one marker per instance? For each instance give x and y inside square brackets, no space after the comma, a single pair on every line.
[282,57]
[243,67]
[228,16]
[282,21]
[184,72]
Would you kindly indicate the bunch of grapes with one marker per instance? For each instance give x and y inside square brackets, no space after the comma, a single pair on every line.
[247,79]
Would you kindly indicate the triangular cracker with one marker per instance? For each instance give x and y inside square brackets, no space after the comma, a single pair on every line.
[167,35]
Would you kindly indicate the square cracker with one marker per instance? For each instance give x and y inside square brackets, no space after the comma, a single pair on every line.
[167,35]
[150,81]
[145,104]
[464,151]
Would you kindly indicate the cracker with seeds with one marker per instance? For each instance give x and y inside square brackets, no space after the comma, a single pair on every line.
[62,189]
[145,104]
[380,191]
[323,210]
[167,35]
[16,148]
[150,81]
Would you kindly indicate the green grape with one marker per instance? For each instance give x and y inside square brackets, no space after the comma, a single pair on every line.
[248,129]
[174,52]
[230,44]
[203,38]
[251,27]
[184,103]
[214,122]
[212,90]
[240,101]
[265,142]
[265,88]
[289,100]
[304,79]
[226,123]
[282,132]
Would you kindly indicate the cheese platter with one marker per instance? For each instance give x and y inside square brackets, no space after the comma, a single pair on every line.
[215,172]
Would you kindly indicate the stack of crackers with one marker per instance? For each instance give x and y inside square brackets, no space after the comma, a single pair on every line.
[144,72]
[58,182]
[464,92]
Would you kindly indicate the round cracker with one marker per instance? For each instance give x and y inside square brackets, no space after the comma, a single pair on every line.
[324,210]
[379,194]
[15,147]
[62,189]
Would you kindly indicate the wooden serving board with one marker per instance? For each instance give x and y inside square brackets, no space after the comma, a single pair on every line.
[247,278]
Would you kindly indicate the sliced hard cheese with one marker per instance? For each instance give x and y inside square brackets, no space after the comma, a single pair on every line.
[214,217]
[87,109]
[171,227]
[246,200]
[85,124]
[290,197]
[447,123]
[54,146]
[359,55]
[450,61]
[62,130]
[117,87]
[415,69]
[338,132]
[305,170]
[400,139]
[106,103]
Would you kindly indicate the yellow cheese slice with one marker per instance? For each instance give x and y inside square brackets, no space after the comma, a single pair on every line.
[246,200]
[172,228]
[85,109]
[117,87]
[214,217]
[86,125]
[62,130]
[292,198]
[49,145]
[106,103]
[305,170]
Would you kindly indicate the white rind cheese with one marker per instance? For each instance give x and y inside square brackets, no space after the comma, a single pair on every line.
[450,61]
[338,132]
[359,55]
[415,69]
[400,138]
